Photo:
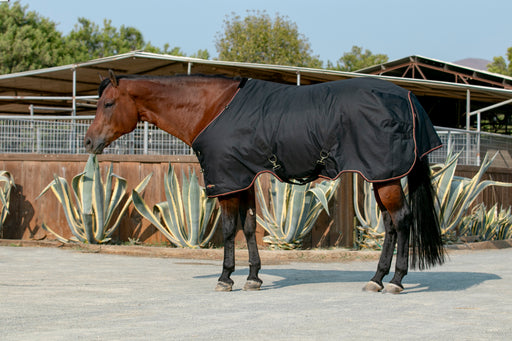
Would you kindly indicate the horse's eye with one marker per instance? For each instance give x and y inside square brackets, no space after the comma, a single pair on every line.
[108,104]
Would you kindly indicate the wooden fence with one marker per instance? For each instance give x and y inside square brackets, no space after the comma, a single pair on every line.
[33,172]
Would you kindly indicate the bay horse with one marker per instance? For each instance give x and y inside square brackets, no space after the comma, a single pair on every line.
[353,117]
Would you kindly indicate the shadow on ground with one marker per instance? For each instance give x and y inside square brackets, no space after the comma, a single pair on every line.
[414,282]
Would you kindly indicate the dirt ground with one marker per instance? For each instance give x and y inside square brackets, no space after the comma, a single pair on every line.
[267,256]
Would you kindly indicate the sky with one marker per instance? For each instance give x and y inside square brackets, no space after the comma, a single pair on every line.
[448,30]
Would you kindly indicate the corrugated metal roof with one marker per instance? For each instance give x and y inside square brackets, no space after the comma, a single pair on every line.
[58,81]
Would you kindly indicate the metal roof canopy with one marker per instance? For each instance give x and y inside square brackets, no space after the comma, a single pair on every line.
[75,86]
[418,67]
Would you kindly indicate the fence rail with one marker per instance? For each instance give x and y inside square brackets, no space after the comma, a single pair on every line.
[64,135]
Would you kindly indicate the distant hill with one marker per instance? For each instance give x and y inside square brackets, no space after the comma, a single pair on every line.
[474,63]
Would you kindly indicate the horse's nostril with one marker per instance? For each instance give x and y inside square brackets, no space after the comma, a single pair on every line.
[88,144]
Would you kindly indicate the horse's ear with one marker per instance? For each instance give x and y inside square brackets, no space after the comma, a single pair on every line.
[101,77]
[113,78]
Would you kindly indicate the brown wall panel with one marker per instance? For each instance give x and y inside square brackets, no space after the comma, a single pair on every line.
[33,172]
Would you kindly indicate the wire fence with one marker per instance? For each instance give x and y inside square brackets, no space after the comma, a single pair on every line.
[65,135]
[473,146]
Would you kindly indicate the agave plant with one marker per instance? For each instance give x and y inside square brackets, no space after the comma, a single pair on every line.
[185,216]
[91,220]
[370,230]
[6,183]
[493,224]
[456,194]
[294,210]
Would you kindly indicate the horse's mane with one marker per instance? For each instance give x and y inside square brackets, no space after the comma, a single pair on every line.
[105,82]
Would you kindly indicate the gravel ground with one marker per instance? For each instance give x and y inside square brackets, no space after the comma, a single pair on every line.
[66,294]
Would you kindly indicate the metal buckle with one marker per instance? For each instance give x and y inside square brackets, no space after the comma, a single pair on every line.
[273,160]
[323,156]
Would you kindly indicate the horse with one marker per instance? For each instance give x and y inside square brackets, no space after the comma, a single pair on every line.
[193,107]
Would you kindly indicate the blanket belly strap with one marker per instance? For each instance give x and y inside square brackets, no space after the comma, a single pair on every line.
[281,173]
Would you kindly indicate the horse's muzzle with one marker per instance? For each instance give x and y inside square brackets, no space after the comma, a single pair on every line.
[94,147]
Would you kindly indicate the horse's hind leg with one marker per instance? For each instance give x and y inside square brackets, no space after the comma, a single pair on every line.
[229,216]
[397,219]
[386,255]
[403,220]
[248,217]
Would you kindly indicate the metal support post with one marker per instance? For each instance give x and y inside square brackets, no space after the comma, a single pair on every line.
[31,109]
[478,139]
[74,143]
[146,137]
[468,123]
[73,113]
[449,143]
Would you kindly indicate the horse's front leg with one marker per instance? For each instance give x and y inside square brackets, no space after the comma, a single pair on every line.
[248,217]
[229,216]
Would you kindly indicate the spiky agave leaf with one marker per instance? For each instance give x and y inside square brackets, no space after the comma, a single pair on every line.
[370,218]
[294,212]
[117,196]
[89,217]
[454,195]
[323,192]
[266,215]
[460,193]
[7,181]
[60,188]
[149,214]
[492,224]
[186,213]
[176,216]
[211,216]
[191,198]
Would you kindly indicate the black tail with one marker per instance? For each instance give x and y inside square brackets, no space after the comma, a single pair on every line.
[427,245]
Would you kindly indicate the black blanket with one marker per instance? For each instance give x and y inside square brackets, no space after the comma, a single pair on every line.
[300,133]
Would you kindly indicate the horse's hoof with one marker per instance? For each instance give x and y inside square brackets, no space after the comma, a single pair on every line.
[393,289]
[251,285]
[222,286]
[372,287]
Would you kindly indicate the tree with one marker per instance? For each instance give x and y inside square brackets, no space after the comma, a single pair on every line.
[356,60]
[87,41]
[27,40]
[203,54]
[258,38]
[499,65]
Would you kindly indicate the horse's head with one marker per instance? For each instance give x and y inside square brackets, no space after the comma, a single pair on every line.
[116,115]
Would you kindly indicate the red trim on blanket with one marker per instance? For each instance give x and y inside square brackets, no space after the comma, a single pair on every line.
[216,116]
